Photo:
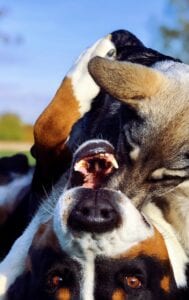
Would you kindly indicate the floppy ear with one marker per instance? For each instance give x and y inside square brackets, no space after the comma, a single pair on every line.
[126,81]
[72,100]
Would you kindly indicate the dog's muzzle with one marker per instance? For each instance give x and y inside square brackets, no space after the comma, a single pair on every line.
[96,211]
[95,208]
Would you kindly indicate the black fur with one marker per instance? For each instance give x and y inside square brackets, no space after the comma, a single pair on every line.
[46,263]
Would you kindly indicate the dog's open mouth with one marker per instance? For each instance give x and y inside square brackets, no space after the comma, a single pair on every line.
[94,206]
[92,165]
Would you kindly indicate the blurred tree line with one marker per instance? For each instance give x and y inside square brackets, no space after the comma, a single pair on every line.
[175,35]
[13,129]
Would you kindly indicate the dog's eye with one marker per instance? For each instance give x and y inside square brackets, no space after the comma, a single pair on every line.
[54,283]
[132,281]
[111,53]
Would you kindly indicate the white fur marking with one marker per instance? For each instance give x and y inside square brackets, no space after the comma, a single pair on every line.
[134,154]
[160,173]
[88,279]
[13,264]
[85,88]
[9,192]
[176,253]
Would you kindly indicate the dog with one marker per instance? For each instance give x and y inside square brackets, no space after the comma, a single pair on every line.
[73,94]
[147,107]
[78,93]
[105,111]
[15,185]
[95,244]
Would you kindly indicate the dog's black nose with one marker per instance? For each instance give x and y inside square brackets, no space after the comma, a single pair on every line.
[96,211]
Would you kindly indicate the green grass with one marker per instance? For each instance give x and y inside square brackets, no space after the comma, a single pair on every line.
[31,160]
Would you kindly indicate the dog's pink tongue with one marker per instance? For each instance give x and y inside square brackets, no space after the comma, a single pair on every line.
[96,168]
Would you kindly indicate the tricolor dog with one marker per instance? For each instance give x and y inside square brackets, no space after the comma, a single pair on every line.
[94,244]
[142,111]
[133,155]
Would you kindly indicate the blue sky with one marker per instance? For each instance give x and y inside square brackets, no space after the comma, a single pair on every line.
[54,33]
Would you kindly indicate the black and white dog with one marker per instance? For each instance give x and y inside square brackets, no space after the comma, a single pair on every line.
[94,244]
[141,155]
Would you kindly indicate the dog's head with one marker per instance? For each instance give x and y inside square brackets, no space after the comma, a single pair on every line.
[77,95]
[96,244]
[147,127]
[151,144]
[138,272]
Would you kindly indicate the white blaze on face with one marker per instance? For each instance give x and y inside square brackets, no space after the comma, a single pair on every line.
[88,278]
[84,86]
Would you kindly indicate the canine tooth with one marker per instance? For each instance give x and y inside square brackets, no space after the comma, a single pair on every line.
[79,165]
[114,163]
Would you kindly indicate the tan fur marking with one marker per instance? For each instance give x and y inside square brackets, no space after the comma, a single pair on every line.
[119,294]
[54,124]
[45,237]
[125,81]
[63,294]
[154,246]
[165,283]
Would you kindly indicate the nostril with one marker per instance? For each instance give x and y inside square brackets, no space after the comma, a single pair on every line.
[85,212]
[106,214]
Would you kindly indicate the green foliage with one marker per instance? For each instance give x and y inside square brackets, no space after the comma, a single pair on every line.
[13,129]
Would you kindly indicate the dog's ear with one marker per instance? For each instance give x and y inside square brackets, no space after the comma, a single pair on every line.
[54,124]
[72,100]
[126,81]
[20,288]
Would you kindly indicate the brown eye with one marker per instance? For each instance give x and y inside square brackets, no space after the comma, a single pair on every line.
[55,282]
[133,282]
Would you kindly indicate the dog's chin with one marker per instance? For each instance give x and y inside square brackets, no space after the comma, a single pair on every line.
[129,228]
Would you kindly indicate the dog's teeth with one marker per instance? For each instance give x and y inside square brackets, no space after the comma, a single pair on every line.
[114,163]
[80,165]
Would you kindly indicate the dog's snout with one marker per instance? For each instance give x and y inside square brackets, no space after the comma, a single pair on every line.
[95,212]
